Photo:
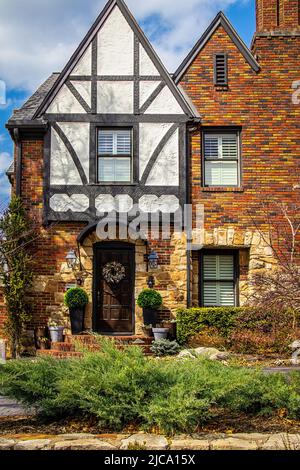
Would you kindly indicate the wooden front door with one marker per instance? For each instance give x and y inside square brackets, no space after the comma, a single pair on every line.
[114,302]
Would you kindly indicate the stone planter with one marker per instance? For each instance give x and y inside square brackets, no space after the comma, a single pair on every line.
[149,316]
[77,320]
[56,334]
[147,332]
[160,333]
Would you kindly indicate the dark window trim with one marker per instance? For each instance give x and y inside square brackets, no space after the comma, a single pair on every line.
[235,254]
[222,130]
[225,56]
[133,156]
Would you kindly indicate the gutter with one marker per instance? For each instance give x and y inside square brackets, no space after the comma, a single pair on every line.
[17,140]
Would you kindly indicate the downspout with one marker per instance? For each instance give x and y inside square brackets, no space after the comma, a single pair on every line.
[18,162]
[188,201]
[191,129]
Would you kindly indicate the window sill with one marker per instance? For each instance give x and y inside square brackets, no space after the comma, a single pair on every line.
[112,184]
[222,189]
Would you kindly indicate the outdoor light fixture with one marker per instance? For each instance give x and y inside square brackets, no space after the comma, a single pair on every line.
[71,259]
[153,260]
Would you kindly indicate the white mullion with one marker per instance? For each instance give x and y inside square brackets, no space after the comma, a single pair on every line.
[220,147]
[115,143]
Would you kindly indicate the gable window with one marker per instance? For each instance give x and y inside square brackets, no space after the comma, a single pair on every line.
[114,155]
[221,159]
[221,70]
[218,280]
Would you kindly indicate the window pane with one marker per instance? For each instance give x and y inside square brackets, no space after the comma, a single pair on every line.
[115,170]
[221,173]
[124,142]
[106,143]
[226,298]
[122,169]
[230,146]
[225,267]
[211,146]
[210,294]
[106,169]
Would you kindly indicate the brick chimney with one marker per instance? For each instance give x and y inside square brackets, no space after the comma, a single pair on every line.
[277,15]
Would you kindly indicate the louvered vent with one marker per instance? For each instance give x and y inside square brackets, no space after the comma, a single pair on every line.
[221,70]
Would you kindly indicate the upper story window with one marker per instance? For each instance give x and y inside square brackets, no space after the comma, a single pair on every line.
[221,70]
[221,159]
[114,155]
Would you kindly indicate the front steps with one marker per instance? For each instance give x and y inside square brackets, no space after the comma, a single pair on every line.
[70,349]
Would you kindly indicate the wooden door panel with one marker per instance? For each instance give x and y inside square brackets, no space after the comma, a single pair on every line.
[114,303]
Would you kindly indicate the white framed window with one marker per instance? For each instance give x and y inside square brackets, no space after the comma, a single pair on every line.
[218,280]
[114,155]
[221,159]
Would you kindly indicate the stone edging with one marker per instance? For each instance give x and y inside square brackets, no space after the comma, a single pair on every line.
[141,441]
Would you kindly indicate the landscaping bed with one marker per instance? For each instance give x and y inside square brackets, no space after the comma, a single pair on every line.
[116,391]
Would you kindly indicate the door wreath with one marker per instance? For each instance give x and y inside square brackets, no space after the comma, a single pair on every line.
[114,272]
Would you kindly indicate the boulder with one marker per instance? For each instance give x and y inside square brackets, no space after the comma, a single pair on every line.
[212,353]
[295,345]
[84,444]
[34,444]
[145,441]
[187,354]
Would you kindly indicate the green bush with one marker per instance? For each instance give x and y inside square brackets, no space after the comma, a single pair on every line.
[149,298]
[76,298]
[192,321]
[165,347]
[122,387]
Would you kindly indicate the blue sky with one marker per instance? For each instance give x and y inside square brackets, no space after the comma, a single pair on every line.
[51,35]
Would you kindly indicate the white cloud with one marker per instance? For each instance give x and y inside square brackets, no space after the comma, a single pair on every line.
[5,161]
[38,37]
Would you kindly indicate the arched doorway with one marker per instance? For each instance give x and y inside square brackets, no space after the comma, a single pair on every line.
[113,303]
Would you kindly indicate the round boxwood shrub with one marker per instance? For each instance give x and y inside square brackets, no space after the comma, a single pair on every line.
[150,299]
[76,298]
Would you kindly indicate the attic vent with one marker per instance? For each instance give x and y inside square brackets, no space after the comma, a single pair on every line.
[220,75]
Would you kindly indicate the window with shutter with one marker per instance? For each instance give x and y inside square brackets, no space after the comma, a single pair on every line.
[221,159]
[114,156]
[218,280]
[221,70]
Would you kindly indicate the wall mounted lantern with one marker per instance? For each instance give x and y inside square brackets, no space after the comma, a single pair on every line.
[153,259]
[72,259]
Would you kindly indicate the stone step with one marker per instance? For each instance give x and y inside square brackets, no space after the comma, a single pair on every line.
[91,340]
[59,354]
[63,347]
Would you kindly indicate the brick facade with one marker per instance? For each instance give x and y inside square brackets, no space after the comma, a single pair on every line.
[260,104]
[257,103]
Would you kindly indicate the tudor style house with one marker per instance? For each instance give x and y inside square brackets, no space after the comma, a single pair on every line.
[114,129]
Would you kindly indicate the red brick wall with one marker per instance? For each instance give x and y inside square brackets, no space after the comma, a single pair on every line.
[262,105]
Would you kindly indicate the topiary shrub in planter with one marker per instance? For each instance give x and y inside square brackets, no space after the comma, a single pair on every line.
[165,347]
[150,301]
[76,300]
